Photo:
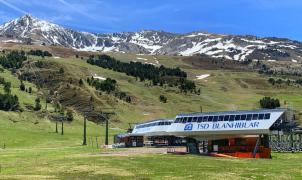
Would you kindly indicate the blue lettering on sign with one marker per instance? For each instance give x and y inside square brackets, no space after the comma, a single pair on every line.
[203,126]
[226,125]
[188,127]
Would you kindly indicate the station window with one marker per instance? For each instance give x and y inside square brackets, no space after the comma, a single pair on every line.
[178,120]
[199,119]
[220,118]
[210,119]
[232,117]
[255,117]
[267,116]
[226,117]
[194,119]
[215,119]
[249,117]
[190,119]
[243,117]
[261,116]
[205,118]
[237,117]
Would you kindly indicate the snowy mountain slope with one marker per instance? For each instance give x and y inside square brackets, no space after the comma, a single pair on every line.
[28,29]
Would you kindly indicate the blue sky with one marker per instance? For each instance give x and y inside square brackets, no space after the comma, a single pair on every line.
[281,18]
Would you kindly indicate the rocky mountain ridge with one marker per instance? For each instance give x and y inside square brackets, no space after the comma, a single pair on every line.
[29,29]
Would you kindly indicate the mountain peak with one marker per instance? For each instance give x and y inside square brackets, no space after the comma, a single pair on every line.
[27,17]
[229,47]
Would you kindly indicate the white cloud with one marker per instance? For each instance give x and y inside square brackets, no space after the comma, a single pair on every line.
[12,6]
[76,9]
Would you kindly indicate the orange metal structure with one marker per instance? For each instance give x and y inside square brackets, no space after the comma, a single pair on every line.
[244,149]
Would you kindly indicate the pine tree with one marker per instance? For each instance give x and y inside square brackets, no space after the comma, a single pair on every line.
[22,86]
[37,104]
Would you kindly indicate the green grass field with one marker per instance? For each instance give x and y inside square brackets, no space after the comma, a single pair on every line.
[78,162]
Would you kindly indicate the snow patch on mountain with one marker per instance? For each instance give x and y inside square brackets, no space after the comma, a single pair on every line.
[30,29]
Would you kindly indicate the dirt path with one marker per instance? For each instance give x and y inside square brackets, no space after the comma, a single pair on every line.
[131,152]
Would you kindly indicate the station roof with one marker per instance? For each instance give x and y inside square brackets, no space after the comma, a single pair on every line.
[233,112]
[156,120]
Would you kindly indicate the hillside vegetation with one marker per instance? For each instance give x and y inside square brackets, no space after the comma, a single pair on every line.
[224,89]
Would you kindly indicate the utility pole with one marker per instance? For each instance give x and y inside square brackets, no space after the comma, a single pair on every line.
[62,130]
[106,136]
[105,116]
[84,135]
[46,97]
[101,115]
[56,126]
[85,122]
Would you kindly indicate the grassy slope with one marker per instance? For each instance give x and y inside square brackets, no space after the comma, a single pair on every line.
[33,129]
[223,90]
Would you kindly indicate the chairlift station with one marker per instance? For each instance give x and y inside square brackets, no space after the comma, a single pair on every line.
[245,134]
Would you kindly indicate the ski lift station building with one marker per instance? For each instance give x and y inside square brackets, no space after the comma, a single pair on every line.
[230,133]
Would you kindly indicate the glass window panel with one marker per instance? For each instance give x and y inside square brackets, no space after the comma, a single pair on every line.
[226,117]
[205,118]
[180,120]
[255,117]
[220,118]
[267,116]
[249,117]
[210,118]
[237,117]
[261,116]
[184,120]
[199,119]
[243,117]
[215,118]
[232,117]
[194,119]
[190,119]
